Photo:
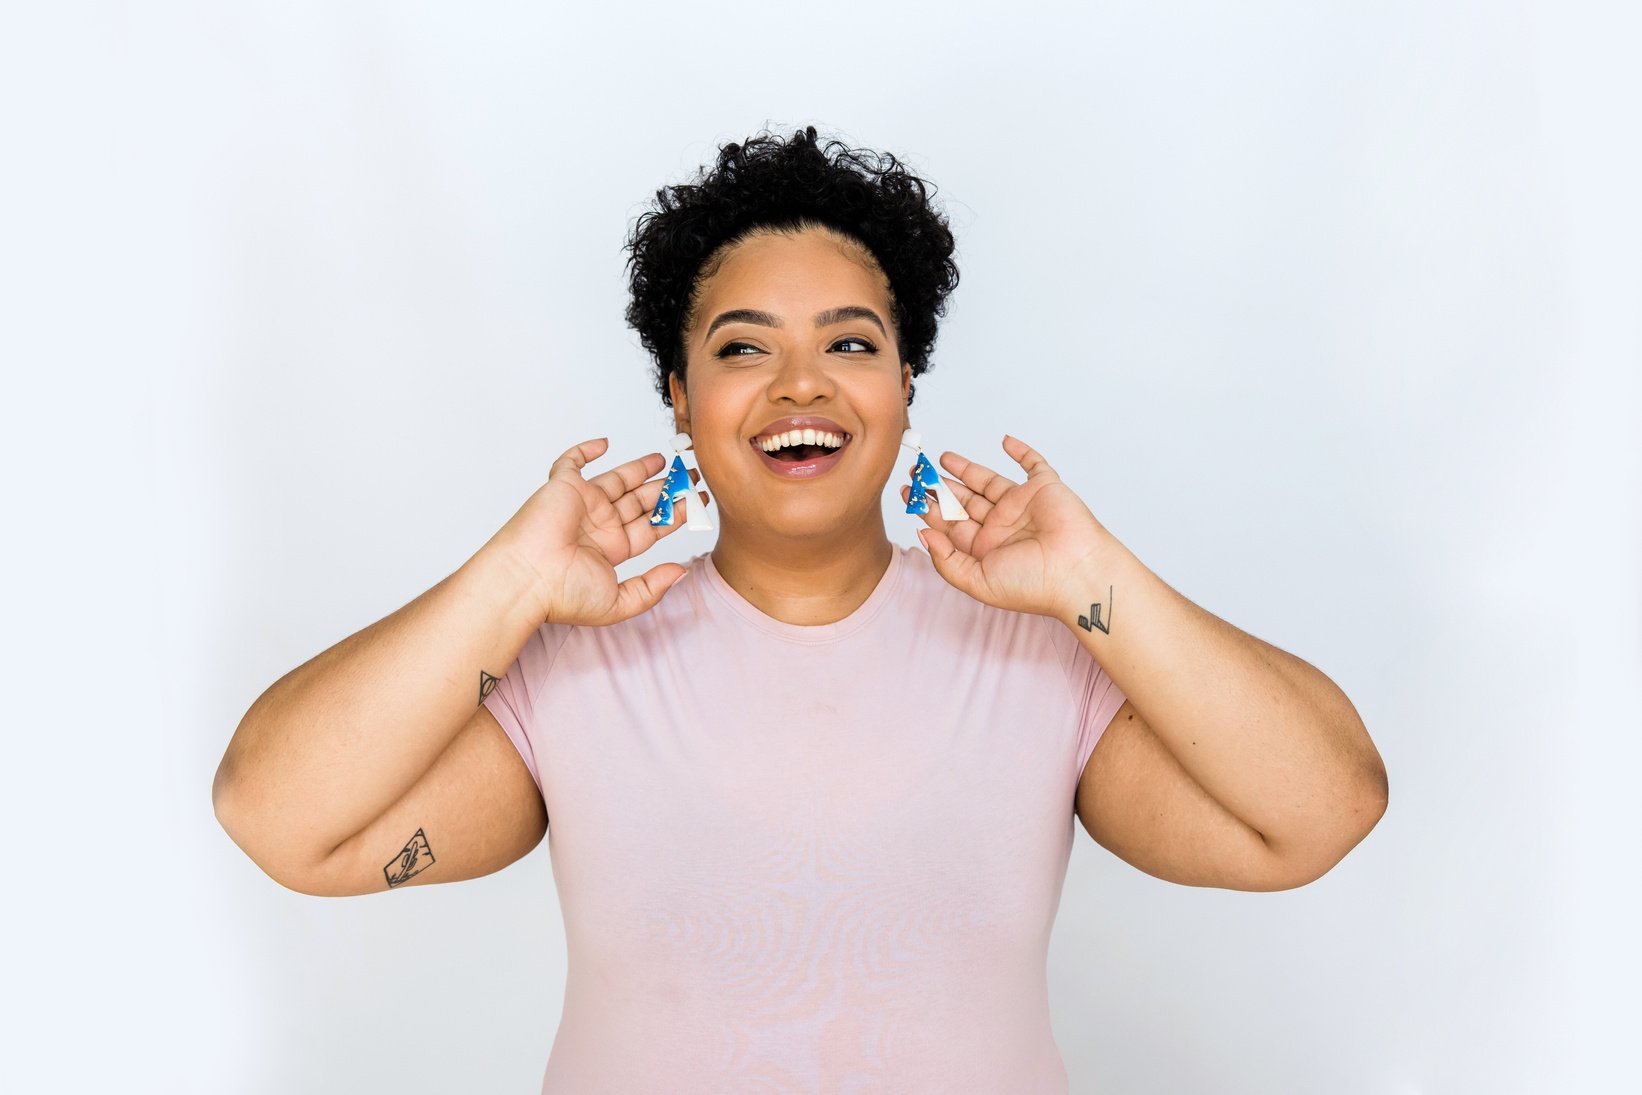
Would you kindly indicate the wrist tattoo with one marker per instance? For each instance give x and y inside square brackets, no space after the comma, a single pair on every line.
[1092,621]
[411,861]
[487,685]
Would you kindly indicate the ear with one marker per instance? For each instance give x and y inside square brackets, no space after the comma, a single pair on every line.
[906,383]
[681,406]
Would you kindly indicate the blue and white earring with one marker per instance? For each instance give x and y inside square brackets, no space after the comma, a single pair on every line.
[925,480]
[678,485]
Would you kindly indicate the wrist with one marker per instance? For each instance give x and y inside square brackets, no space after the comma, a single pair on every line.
[505,581]
[1085,600]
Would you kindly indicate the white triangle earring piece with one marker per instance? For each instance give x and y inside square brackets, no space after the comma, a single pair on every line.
[677,486]
[925,480]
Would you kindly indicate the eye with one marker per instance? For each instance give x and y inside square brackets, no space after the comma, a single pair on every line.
[733,349]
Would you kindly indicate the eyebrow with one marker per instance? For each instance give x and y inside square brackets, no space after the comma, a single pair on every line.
[770,319]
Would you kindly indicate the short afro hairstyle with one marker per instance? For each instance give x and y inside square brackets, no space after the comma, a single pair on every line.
[768,184]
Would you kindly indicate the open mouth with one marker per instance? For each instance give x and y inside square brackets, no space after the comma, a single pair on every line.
[801,461]
[797,454]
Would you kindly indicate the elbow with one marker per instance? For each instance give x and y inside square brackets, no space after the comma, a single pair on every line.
[221,797]
[310,883]
[1306,863]
[1361,799]
[1371,806]
[1376,785]
[219,791]
[227,803]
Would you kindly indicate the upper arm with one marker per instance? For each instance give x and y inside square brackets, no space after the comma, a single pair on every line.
[1138,803]
[475,811]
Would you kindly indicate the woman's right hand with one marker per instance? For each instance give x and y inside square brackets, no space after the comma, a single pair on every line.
[569,536]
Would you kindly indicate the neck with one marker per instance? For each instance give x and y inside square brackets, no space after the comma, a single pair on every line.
[807,581]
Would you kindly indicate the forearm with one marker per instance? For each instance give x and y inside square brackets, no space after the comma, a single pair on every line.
[338,740]
[1271,738]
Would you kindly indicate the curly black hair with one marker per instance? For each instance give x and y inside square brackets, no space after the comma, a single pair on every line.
[770,184]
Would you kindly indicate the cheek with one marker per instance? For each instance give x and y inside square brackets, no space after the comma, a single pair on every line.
[716,440]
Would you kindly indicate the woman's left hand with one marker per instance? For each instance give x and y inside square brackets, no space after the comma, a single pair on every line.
[1024,544]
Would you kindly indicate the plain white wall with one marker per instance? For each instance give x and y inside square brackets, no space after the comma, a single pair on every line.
[1329,313]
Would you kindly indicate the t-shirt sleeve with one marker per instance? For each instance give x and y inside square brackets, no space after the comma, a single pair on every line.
[1095,695]
[513,699]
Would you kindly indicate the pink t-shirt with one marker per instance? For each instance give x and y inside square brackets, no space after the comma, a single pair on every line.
[808,858]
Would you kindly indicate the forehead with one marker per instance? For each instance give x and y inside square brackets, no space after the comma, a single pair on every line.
[775,265]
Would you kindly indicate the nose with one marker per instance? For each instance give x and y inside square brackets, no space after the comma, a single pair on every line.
[801,377]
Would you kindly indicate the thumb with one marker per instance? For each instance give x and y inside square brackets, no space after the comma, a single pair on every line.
[958,568]
[642,592]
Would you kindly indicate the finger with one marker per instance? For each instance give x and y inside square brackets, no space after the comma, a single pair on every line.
[641,592]
[933,517]
[639,501]
[1030,460]
[977,477]
[961,533]
[642,497]
[957,566]
[962,493]
[974,504]
[625,477]
[641,534]
[576,457]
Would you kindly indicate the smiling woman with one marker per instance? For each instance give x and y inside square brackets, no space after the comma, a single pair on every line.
[811,793]
[793,909]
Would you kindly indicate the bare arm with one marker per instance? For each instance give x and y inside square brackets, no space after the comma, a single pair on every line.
[1265,735]
[336,742]
[365,729]
[473,813]
[1138,803]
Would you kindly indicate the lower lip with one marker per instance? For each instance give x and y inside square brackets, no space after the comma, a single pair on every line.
[802,469]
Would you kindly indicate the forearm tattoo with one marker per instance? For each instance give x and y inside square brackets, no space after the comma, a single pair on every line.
[416,856]
[1092,621]
[487,684]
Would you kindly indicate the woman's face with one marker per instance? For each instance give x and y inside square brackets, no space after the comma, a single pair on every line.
[745,376]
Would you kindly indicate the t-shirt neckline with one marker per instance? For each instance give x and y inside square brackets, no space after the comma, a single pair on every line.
[809,633]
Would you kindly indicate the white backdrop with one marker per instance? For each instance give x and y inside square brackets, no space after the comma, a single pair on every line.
[1331,316]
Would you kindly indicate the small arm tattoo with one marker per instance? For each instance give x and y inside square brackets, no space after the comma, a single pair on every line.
[1092,621]
[487,685]
[412,861]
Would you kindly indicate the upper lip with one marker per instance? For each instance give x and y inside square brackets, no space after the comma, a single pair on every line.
[800,422]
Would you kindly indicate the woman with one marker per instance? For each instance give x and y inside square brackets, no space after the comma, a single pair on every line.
[811,793]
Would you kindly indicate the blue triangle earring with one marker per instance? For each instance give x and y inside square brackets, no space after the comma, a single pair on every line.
[677,486]
[925,480]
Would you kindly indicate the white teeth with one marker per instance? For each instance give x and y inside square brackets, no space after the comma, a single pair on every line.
[801,437]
